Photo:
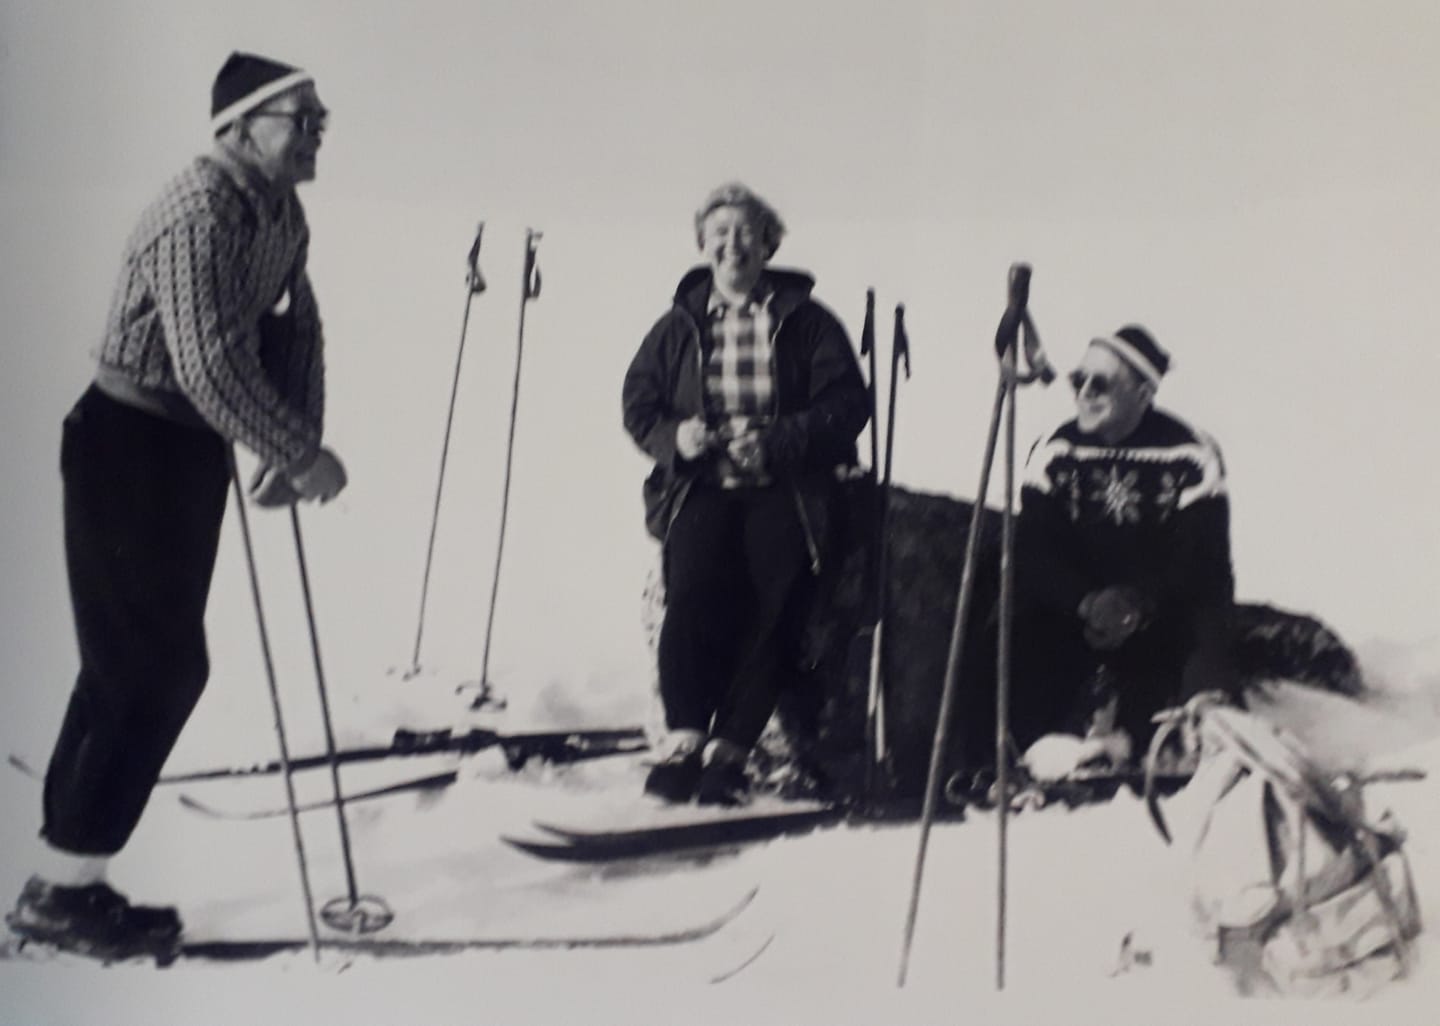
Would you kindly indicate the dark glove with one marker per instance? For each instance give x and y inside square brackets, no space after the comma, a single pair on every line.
[1112,615]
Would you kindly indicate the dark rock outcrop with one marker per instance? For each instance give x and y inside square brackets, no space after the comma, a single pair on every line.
[822,719]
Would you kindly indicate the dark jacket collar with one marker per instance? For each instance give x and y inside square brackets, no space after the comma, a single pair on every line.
[792,288]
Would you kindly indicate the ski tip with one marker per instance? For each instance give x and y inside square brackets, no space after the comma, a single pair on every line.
[195,805]
[562,851]
[24,767]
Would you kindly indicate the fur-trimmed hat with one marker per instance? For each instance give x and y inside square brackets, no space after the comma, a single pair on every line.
[245,81]
[1135,346]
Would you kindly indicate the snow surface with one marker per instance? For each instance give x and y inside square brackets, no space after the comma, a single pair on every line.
[819,943]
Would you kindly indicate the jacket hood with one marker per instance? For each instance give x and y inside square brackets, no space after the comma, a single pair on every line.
[792,288]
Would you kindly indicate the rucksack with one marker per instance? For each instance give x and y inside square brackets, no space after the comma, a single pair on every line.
[1295,889]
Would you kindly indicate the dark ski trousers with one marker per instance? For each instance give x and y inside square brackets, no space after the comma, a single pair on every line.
[1158,668]
[735,572]
[144,498]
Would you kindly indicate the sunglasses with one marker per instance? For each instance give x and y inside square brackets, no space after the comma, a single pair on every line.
[1099,384]
[308,122]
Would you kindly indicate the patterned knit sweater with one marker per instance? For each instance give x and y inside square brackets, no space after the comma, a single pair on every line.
[211,256]
[1150,512]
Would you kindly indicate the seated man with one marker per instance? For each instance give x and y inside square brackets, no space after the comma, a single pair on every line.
[1123,579]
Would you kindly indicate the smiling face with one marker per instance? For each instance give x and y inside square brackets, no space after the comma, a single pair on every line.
[1110,395]
[731,240]
[284,136]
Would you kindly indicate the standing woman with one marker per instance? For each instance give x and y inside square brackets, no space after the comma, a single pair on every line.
[747,395]
[183,372]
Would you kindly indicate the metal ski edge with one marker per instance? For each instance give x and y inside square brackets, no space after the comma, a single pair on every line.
[430,782]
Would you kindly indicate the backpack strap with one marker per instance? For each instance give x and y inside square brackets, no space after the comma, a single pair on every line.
[1272,752]
[1186,720]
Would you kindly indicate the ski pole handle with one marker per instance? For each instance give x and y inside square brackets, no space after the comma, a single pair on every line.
[1008,332]
[1016,317]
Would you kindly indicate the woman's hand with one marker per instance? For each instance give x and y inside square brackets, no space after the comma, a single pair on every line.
[692,438]
[746,452]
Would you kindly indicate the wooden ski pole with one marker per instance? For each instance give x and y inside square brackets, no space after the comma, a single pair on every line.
[1002,671]
[867,349]
[474,285]
[352,913]
[529,290]
[947,692]
[291,803]
[1038,367]
[875,705]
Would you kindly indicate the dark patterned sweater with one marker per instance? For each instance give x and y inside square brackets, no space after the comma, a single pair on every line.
[1150,512]
[211,255]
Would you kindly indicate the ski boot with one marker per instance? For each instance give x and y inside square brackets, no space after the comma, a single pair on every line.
[94,921]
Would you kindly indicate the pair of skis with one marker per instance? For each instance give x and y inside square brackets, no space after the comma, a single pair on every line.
[553,746]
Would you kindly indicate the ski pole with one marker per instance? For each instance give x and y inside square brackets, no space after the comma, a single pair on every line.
[291,803]
[876,581]
[867,349]
[947,692]
[875,708]
[474,285]
[1002,672]
[529,289]
[353,913]
[1038,367]
[1007,341]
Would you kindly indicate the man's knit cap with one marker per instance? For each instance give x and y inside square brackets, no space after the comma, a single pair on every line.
[246,81]
[1135,346]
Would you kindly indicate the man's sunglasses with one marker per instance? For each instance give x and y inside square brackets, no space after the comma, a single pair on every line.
[308,122]
[1100,384]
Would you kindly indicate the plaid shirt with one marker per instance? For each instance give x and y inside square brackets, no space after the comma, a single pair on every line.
[739,388]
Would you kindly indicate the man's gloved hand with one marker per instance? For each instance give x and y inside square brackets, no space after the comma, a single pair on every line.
[1112,615]
[692,438]
[322,480]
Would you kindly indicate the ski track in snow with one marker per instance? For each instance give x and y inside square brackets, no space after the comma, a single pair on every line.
[820,943]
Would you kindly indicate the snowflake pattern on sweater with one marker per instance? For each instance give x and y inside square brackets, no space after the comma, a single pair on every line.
[1151,512]
[210,257]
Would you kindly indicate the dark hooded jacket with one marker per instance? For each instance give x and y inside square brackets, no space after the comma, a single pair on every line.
[821,403]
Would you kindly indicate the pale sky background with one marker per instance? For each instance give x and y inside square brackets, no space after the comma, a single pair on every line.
[1254,181]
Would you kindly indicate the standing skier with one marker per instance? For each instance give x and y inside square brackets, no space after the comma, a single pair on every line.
[747,395]
[1125,589]
[213,337]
